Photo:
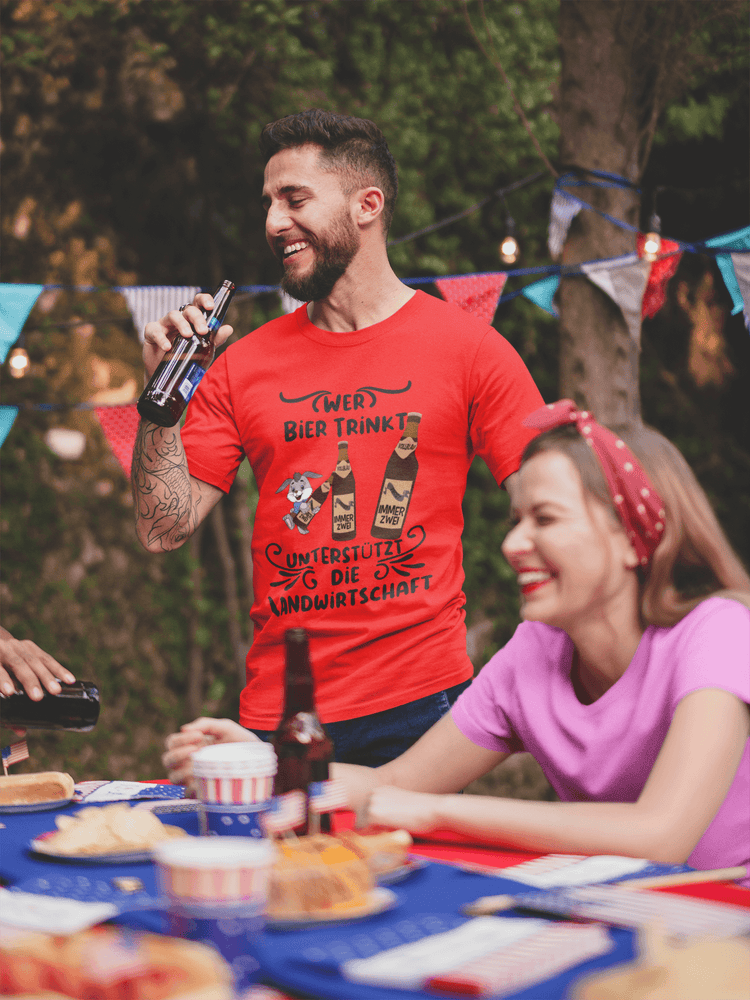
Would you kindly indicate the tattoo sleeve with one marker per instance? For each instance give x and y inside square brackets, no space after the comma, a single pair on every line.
[167,499]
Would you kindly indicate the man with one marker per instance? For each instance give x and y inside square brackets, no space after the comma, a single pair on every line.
[360,414]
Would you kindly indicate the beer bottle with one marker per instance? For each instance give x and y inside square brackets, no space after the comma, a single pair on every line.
[168,392]
[318,497]
[343,510]
[302,746]
[398,484]
[75,709]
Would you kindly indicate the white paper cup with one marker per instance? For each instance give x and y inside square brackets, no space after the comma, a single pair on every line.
[235,787]
[216,892]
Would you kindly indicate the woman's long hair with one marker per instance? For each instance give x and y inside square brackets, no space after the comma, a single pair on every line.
[693,538]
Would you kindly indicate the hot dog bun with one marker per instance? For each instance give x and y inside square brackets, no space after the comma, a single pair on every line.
[28,789]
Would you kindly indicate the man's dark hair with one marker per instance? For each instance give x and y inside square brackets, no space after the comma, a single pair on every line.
[355,147]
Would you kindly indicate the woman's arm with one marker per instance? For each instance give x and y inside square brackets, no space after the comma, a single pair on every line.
[443,760]
[689,781]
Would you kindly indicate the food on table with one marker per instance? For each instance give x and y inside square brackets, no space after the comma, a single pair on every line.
[113,829]
[109,963]
[317,875]
[29,789]
[383,852]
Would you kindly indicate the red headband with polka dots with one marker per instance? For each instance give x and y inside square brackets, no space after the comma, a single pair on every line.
[636,501]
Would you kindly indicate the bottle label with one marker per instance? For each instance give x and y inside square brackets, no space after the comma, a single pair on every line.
[190,382]
[393,503]
[343,513]
[405,447]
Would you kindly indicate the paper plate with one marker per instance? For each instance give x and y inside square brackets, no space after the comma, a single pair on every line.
[39,846]
[414,864]
[378,901]
[35,807]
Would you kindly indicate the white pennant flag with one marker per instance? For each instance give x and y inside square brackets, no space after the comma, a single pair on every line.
[624,279]
[289,304]
[562,212]
[741,265]
[150,302]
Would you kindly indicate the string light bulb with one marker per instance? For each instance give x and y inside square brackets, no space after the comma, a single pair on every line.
[652,241]
[18,362]
[509,250]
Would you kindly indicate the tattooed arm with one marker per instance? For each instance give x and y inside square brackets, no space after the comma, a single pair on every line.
[169,502]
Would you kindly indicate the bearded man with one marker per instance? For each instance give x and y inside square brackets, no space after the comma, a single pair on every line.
[363,409]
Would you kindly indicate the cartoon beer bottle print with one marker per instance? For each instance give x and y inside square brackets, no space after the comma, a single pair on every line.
[308,510]
[398,484]
[343,511]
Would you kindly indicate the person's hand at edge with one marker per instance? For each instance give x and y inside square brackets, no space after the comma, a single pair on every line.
[192,736]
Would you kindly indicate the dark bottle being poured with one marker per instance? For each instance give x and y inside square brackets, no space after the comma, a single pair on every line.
[303,748]
[168,392]
[75,709]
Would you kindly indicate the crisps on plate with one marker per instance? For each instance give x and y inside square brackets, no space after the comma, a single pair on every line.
[113,829]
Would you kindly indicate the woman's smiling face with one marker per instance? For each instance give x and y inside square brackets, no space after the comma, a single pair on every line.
[571,556]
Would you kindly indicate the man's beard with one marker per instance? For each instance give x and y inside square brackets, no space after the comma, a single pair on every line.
[334,252]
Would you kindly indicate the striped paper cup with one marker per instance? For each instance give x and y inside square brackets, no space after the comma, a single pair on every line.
[216,891]
[235,786]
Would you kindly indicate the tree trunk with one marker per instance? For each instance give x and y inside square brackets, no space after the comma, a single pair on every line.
[194,695]
[229,573]
[601,128]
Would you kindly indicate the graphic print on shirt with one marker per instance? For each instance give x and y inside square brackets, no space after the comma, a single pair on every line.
[398,484]
[380,566]
[305,501]
[343,510]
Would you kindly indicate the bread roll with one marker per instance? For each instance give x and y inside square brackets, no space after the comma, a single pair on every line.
[28,789]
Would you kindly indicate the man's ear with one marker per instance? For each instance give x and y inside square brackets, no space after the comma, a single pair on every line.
[369,206]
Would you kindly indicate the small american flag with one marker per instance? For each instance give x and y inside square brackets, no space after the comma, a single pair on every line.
[14,754]
[286,812]
[327,795]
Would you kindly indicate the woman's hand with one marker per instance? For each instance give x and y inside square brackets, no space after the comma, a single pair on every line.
[399,809]
[192,736]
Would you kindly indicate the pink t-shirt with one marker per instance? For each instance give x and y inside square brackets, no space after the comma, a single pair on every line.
[604,752]
[374,571]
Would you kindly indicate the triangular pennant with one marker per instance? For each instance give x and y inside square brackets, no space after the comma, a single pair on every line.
[289,304]
[624,279]
[661,271]
[733,265]
[476,293]
[563,210]
[120,426]
[542,293]
[150,302]
[7,415]
[16,302]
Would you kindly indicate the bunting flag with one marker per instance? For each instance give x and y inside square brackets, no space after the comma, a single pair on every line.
[542,293]
[661,271]
[150,302]
[624,279]
[7,415]
[16,302]
[289,304]
[563,210]
[120,426]
[476,293]
[735,268]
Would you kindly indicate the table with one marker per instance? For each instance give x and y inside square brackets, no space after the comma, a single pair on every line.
[437,890]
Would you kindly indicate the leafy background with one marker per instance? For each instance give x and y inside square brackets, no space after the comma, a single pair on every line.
[130,157]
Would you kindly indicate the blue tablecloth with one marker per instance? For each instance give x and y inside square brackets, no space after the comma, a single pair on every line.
[302,960]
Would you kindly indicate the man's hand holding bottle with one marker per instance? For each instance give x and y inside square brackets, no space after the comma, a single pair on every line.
[161,333]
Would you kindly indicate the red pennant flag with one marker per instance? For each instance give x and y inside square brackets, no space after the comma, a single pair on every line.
[120,426]
[476,293]
[661,271]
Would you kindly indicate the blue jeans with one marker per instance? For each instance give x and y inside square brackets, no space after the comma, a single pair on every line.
[375,739]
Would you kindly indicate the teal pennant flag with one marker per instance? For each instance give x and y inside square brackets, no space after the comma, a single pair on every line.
[542,293]
[733,266]
[7,415]
[16,302]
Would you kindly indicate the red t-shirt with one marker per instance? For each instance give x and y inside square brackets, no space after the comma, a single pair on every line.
[382,603]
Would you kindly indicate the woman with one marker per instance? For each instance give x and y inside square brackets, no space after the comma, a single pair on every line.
[632,696]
